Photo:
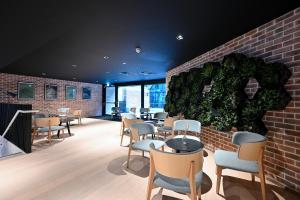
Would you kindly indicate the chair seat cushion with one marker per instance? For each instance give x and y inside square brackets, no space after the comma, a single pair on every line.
[144,145]
[177,185]
[165,129]
[52,128]
[230,160]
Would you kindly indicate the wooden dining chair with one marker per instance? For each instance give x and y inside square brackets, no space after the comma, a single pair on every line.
[47,124]
[167,127]
[179,172]
[77,115]
[126,122]
[248,158]
[139,140]
[186,125]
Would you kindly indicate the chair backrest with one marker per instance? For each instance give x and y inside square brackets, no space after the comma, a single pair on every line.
[115,109]
[47,121]
[176,165]
[160,115]
[169,121]
[187,125]
[251,145]
[77,112]
[129,122]
[141,129]
[133,109]
[144,110]
[128,116]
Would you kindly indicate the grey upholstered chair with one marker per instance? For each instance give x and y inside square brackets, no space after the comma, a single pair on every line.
[160,115]
[187,125]
[127,120]
[248,158]
[167,127]
[138,140]
[179,172]
[144,113]
[115,113]
[48,125]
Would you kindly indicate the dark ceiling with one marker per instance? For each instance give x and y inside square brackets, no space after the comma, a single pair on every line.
[45,38]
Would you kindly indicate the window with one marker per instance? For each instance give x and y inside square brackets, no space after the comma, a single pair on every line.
[154,97]
[109,99]
[128,97]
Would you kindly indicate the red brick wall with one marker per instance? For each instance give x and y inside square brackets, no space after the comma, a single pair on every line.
[275,41]
[92,107]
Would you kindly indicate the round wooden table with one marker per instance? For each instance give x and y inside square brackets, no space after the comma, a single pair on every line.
[184,145]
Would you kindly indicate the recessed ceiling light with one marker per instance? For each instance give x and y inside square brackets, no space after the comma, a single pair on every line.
[107,84]
[97,81]
[179,37]
[124,73]
[106,57]
[74,65]
[44,74]
[107,72]
[138,50]
[74,78]
[124,63]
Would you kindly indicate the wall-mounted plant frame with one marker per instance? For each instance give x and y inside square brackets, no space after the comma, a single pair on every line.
[86,93]
[227,105]
[70,92]
[51,92]
[26,91]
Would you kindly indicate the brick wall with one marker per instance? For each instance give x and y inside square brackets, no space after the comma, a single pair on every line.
[275,41]
[92,107]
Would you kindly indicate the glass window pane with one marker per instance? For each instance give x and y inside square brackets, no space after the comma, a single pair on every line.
[154,97]
[128,97]
[109,99]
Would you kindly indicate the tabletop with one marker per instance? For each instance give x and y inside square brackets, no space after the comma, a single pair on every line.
[184,145]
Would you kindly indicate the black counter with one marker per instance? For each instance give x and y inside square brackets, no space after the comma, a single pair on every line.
[20,132]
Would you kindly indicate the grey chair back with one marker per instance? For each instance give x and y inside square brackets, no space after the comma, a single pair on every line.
[160,115]
[144,128]
[144,110]
[243,137]
[187,125]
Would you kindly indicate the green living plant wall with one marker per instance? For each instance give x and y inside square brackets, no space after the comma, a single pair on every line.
[227,105]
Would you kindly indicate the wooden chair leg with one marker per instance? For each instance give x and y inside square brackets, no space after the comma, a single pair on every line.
[33,135]
[219,174]
[128,159]
[199,193]
[252,177]
[263,185]
[122,135]
[143,153]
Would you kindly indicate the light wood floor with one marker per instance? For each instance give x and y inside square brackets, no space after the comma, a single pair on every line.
[91,165]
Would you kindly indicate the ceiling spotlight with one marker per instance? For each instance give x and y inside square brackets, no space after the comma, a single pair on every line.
[107,84]
[106,57]
[97,81]
[44,74]
[179,37]
[138,50]
[74,66]
[107,72]
[124,63]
